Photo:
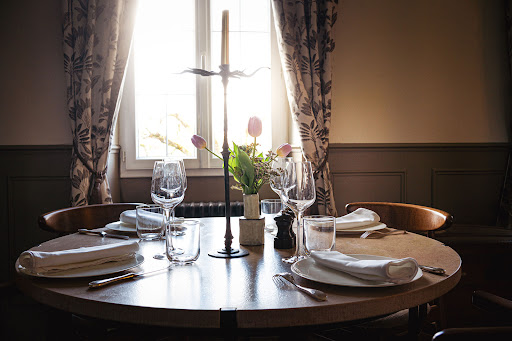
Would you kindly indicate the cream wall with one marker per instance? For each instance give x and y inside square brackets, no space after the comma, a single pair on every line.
[405,71]
[32,88]
[410,71]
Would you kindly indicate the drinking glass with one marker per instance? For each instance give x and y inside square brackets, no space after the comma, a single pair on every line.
[187,242]
[168,187]
[149,222]
[319,233]
[270,208]
[298,193]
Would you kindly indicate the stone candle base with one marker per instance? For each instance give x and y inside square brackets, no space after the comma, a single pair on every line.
[252,231]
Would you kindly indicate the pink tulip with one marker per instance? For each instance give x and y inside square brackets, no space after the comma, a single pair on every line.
[198,142]
[255,126]
[283,150]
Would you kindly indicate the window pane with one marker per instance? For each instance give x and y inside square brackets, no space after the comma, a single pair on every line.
[165,101]
[249,49]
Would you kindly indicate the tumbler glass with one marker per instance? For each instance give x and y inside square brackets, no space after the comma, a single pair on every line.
[183,247]
[320,233]
[270,208]
[150,222]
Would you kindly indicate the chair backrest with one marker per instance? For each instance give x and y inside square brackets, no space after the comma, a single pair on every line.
[69,220]
[407,217]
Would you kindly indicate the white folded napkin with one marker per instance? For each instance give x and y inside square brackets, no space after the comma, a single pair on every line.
[382,270]
[44,262]
[130,217]
[358,218]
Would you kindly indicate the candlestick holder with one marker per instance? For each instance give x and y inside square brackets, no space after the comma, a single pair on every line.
[225,74]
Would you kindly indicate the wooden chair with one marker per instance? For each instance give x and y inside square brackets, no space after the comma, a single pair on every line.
[414,218]
[499,310]
[407,217]
[69,220]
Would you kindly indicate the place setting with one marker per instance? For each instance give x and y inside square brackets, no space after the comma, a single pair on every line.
[315,257]
[81,262]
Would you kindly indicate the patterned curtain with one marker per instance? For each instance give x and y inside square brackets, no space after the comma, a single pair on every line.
[97,38]
[505,209]
[305,37]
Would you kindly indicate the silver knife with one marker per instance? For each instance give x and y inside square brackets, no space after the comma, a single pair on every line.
[103,282]
[433,270]
[102,234]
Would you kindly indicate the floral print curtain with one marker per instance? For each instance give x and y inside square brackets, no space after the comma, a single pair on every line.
[97,38]
[305,36]
[505,209]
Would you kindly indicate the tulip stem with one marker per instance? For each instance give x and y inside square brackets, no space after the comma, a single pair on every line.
[254,149]
[231,168]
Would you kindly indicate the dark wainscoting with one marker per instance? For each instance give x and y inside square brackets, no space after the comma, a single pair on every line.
[463,179]
[34,180]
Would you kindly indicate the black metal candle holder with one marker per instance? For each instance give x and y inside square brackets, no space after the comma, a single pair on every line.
[225,73]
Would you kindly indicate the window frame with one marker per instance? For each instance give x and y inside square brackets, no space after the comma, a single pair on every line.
[204,164]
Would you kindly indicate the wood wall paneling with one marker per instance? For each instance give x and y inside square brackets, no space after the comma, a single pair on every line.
[463,179]
[28,198]
[33,180]
[471,195]
[368,186]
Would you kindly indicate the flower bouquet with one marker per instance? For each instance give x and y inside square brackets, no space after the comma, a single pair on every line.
[249,169]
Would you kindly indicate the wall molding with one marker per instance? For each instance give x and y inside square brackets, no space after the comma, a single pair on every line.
[402,174]
[421,146]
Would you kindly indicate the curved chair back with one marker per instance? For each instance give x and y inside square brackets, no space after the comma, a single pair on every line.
[69,220]
[407,217]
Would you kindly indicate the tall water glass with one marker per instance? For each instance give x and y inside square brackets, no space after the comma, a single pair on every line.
[298,193]
[168,189]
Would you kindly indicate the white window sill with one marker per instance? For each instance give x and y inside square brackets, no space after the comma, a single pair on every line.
[191,172]
[148,173]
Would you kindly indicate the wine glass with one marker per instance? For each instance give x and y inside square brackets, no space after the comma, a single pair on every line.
[278,166]
[298,193]
[168,190]
[176,232]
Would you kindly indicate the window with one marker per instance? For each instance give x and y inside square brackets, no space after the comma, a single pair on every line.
[162,107]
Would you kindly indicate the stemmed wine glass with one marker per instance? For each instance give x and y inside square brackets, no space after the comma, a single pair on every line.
[298,193]
[168,187]
[176,232]
[278,166]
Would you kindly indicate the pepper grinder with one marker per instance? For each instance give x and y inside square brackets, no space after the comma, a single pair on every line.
[285,238]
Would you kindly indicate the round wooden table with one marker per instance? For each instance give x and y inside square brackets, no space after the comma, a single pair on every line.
[239,292]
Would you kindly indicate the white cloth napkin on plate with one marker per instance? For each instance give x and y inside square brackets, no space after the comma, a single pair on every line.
[359,218]
[382,270]
[44,262]
[130,217]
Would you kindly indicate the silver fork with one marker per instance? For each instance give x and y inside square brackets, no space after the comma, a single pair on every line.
[369,233]
[286,278]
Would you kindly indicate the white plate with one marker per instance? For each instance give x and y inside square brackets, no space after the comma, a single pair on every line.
[90,271]
[119,226]
[308,269]
[371,227]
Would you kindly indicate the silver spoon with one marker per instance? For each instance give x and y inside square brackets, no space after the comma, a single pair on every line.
[287,278]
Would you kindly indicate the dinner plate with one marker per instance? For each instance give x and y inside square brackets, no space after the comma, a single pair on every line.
[90,271]
[371,227]
[309,269]
[119,226]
